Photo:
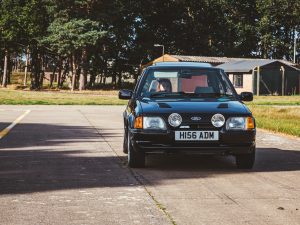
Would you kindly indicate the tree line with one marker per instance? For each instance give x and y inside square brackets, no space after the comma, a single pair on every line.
[87,41]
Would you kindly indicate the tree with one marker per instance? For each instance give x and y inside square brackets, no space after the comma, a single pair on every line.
[10,31]
[73,39]
[278,22]
[112,38]
[22,24]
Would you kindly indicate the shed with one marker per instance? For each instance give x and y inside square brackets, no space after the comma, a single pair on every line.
[213,60]
[263,76]
[185,58]
[276,77]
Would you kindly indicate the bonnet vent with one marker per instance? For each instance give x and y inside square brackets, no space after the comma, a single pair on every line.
[223,106]
[163,105]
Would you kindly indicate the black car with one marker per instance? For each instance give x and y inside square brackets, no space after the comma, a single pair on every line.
[190,108]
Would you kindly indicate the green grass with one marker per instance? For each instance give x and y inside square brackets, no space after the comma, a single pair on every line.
[17,97]
[277,113]
[276,100]
[279,119]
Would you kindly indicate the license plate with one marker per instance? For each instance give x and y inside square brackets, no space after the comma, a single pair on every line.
[196,135]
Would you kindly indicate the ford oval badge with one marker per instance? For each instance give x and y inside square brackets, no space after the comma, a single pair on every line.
[196,118]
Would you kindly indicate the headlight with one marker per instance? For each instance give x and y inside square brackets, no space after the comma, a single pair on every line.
[218,120]
[175,120]
[236,123]
[240,123]
[154,123]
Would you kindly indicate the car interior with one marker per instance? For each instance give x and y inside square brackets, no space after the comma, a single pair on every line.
[198,82]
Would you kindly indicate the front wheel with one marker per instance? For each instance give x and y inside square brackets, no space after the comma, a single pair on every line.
[245,161]
[136,158]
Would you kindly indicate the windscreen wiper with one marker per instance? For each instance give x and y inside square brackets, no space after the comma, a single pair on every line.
[167,94]
[223,95]
[211,94]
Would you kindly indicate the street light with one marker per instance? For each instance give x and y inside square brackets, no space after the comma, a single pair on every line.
[163,47]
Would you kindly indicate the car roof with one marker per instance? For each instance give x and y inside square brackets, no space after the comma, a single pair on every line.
[181,64]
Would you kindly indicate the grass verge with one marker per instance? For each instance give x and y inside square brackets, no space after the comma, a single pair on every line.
[279,119]
[276,100]
[15,97]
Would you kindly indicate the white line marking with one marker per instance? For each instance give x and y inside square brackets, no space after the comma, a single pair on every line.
[14,110]
[6,130]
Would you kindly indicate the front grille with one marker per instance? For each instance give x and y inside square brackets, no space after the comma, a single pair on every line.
[204,123]
[201,126]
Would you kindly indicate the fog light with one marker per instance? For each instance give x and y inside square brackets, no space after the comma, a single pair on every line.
[218,120]
[175,120]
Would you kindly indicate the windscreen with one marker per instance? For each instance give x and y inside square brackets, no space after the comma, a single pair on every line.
[188,82]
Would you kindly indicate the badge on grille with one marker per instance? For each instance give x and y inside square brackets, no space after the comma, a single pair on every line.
[196,118]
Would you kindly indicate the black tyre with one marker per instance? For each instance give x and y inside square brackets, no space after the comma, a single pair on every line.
[245,161]
[136,159]
[125,144]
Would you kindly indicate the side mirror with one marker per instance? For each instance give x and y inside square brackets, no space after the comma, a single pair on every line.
[246,96]
[125,94]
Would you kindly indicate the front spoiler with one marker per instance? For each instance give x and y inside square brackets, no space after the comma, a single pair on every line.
[230,143]
[203,150]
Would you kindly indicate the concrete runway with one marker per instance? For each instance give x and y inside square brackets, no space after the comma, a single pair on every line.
[64,165]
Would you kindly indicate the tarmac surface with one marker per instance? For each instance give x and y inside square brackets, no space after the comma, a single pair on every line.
[64,165]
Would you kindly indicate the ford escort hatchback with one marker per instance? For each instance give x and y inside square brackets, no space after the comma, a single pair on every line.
[187,107]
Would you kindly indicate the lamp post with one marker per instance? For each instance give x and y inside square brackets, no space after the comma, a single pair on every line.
[163,47]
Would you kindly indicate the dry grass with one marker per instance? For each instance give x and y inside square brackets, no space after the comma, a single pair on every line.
[17,97]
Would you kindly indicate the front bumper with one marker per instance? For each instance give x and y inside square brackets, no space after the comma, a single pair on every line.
[230,142]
